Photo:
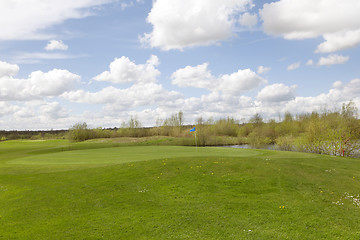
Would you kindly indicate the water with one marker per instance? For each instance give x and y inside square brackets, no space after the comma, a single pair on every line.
[248,146]
[356,154]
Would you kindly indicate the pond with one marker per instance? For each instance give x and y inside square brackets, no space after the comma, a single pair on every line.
[248,146]
[356,154]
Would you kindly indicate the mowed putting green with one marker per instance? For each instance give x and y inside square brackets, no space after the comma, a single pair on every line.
[121,155]
[57,190]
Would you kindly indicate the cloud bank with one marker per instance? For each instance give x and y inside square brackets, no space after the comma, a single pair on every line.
[44,99]
[337,22]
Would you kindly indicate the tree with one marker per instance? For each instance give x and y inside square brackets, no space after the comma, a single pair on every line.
[173,125]
[79,132]
[349,110]
[257,120]
[181,120]
[134,122]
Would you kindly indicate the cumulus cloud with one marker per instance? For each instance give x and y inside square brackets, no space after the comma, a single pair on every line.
[143,92]
[53,110]
[352,89]
[339,94]
[36,115]
[200,77]
[332,59]
[123,70]
[293,66]
[337,85]
[339,41]
[56,45]
[248,19]
[184,23]
[336,21]
[276,93]
[37,85]
[7,69]
[263,69]
[225,95]
[7,108]
[240,81]
[29,19]
[138,95]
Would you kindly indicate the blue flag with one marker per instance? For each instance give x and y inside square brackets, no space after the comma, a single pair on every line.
[192,130]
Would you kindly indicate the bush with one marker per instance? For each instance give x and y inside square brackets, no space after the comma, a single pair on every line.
[285,143]
[79,132]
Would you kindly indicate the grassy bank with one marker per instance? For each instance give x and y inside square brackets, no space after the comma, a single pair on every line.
[109,190]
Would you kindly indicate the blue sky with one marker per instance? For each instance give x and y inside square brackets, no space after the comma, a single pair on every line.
[103,61]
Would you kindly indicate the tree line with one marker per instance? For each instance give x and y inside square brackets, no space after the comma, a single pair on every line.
[335,132]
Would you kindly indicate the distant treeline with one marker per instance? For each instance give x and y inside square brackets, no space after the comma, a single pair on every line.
[33,135]
[327,132]
[334,132]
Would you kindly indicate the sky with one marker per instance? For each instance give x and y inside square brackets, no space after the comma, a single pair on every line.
[105,61]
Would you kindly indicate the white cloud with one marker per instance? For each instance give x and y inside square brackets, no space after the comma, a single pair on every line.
[184,23]
[106,95]
[337,85]
[144,91]
[240,81]
[138,95]
[7,109]
[276,93]
[36,115]
[352,89]
[37,85]
[336,21]
[310,62]
[52,83]
[150,101]
[225,95]
[339,41]
[29,19]
[217,105]
[293,66]
[263,69]
[332,59]
[248,19]
[198,77]
[7,69]
[339,94]
[53,110]
[56,45]
[123,70]
[36,57]
[233,84]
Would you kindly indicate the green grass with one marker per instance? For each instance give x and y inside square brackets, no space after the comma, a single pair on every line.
[92,190]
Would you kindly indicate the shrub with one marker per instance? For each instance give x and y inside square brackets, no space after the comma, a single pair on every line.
[79,132]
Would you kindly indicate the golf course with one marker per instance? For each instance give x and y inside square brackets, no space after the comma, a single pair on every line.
[55,189]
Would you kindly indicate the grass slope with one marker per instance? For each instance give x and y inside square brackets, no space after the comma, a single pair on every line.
[165,192]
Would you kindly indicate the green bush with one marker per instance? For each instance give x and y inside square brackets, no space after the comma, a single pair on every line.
[285,143]
[79,132]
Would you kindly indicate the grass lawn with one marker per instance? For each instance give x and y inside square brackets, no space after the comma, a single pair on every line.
[57,190]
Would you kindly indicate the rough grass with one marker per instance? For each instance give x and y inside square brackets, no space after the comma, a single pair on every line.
[57,190]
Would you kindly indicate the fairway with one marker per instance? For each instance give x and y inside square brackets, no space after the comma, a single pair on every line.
[57,190]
